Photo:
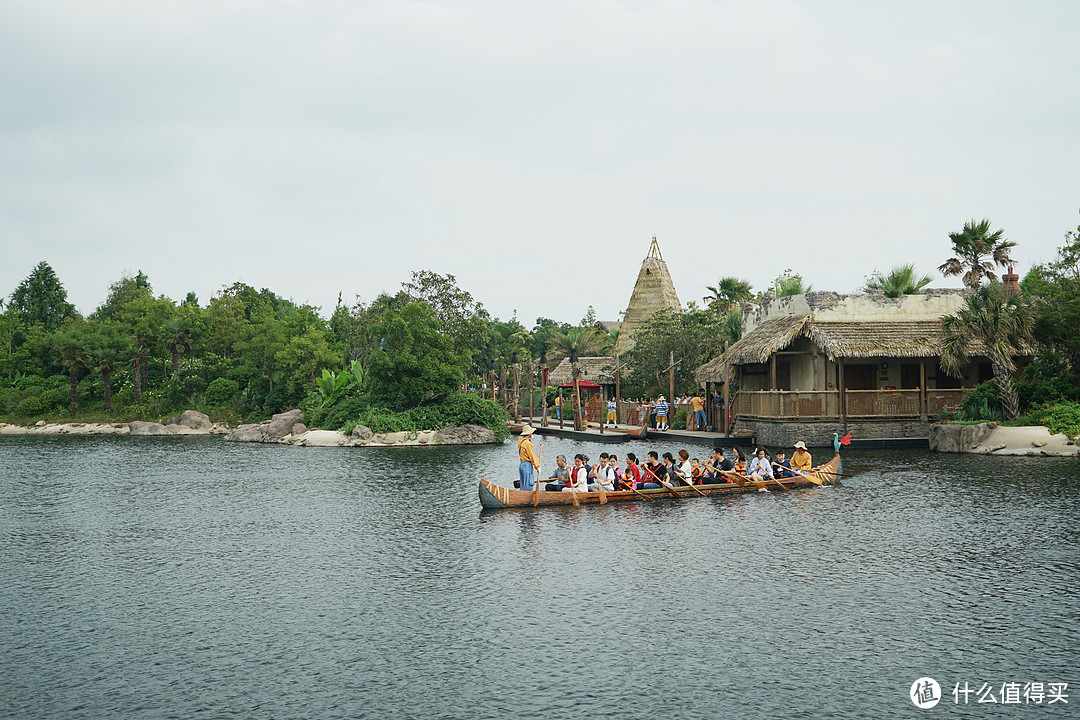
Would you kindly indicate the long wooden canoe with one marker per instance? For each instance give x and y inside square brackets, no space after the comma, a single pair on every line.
[496,496]
[640,432]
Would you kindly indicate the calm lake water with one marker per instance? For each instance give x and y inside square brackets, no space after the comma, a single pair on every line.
[191,578]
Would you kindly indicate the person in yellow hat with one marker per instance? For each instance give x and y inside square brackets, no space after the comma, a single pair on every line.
[800,459]
[529,463]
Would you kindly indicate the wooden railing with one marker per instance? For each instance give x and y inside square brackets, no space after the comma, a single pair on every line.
[858,403]
[787,404]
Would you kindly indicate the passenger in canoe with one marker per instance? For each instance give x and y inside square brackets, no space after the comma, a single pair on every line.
[681,470]
[715,465]
[697,471]
[606,474]
[760,467]
[781,466]
[654,472]
[740,462]
[579,476]
[561,476]
[529,463]
[800,459]
[632,473]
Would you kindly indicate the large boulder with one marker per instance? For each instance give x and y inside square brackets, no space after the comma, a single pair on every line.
[195,420]
[466,435]
[139,427]
[362,432]
[247,433]
[282,424]
[322,438]
[958,438]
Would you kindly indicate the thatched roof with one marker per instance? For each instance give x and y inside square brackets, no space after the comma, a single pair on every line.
[599,369]
[901,339]
[654,290]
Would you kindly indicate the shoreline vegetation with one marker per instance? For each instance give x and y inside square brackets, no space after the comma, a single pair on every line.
[430,356]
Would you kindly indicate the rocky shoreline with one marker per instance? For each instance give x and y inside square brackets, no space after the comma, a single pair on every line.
[989,438]
[283,429]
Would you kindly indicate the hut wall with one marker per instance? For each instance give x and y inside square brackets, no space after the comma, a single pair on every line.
[776,434]
[873,307]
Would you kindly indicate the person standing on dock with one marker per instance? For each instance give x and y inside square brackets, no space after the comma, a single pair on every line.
[612,413]
[697,404]
[661,413]
[529,463]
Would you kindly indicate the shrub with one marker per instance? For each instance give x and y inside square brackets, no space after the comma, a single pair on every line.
[1060,417]
[981,403]
[48,401]
[221,392]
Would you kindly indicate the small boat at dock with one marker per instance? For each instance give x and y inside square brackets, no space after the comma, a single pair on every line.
[496,496]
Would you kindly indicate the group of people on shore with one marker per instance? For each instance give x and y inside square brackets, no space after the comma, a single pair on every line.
[657,470]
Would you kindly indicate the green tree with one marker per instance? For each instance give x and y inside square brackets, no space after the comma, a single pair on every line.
[462,318]
[73,353]
[414,362]
[971,248]
[993,323]
[1054,289]
[693,337]
[731,328]
[41,299]
[901,280]
[260,341]
[728,293]
[107,354]
[303,358]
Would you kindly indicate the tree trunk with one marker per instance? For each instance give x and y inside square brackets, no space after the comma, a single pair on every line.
[145,373]
[1010,401]
[175,360]
[136,385]
[106,380]
[73,396]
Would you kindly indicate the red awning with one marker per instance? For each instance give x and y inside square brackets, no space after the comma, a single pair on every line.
[581,384]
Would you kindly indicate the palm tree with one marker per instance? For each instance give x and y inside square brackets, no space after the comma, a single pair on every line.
[728,293]
[574,342]
[107,352]
[72,354]
[971,246]
[732,327]
[901,280]
[994,323]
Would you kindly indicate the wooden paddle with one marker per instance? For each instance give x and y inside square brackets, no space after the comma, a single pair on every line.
[689,484]
[733,476]
[662,483]
[536,490]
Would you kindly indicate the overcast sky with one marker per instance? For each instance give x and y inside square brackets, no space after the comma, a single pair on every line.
[532,149]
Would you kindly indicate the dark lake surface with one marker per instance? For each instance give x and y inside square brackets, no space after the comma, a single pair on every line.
[191,578]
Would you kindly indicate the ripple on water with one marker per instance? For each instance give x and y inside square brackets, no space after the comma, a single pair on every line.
[185,577]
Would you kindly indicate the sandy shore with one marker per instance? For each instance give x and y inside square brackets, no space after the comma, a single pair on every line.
[992,439]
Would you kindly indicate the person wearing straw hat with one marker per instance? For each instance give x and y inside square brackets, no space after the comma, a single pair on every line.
[529,463]
[800,459]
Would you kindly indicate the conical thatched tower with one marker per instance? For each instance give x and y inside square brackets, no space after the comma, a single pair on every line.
[653,291]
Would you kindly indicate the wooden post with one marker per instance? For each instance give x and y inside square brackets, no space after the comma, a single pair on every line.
[603,409]
[502,386]
[577,404]
[618,393]
[517,390]
[772,372]
[923,410]
[671,388]
[532,401]
[840,386]
[725,410]
[562,409]
[543,392]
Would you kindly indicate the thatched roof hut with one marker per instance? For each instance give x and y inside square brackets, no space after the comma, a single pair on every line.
[653,291]
[598,369]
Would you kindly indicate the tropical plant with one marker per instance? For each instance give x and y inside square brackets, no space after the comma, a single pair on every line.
[728,293]
[731,330]
[73,353]
[993,323]
[971,247]
[901,280]
[789,283]
[585,341]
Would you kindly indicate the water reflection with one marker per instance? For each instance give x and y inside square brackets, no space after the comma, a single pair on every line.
[189,577]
